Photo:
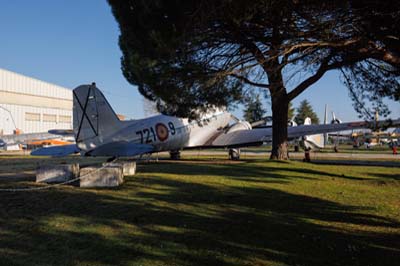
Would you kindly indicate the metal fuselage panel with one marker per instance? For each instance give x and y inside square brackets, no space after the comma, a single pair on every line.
[165,132]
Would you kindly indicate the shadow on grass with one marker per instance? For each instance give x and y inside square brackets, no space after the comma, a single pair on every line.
[358,163]
[387,176]
[160,221]
[268,172]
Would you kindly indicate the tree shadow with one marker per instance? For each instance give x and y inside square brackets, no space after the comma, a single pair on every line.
[358,163]
[267,173]
[386,176]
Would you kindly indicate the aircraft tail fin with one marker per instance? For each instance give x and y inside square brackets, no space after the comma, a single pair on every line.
[307,121]
[335,120]
[94,119]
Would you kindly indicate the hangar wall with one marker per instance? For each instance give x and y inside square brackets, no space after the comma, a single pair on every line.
[32,105]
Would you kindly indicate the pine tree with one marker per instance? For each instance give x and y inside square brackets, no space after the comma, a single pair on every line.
[291,111]
[254,110]
[305,110]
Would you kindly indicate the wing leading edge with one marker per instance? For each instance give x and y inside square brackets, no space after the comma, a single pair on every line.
[121,149]
[259,135]
[118,149]
[56,151]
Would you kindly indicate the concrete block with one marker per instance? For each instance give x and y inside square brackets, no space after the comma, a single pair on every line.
[128,168]
[57,173]
[106,176]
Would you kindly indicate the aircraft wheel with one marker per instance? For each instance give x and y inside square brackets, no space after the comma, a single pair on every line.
[234,154]
[175,155]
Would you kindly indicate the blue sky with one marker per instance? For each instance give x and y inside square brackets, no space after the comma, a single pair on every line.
[72,42]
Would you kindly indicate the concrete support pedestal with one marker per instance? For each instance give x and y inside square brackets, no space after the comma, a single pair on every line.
[57,173]
[128,168]
[106,176]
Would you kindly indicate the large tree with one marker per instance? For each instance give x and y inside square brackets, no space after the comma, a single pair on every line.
[305,110]
[195,55]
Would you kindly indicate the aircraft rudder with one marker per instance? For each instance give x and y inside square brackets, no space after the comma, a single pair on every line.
[93,115]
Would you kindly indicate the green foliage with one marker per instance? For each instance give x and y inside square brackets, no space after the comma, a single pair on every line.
[291,111]
[254,110]
[305,110]
[162,42]
[369,84]
[374,79]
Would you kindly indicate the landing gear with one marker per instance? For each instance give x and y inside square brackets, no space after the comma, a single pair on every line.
[307,157]
[234,154]
[175,155]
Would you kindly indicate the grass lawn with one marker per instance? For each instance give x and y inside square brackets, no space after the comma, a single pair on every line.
[202,212]
[343,148]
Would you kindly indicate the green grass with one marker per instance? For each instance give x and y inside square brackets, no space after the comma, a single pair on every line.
[343,148]
[199,212]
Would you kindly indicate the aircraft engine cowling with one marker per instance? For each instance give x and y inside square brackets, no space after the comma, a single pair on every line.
[240,125]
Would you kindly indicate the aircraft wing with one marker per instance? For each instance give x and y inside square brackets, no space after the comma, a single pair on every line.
[121,148]
[62,132]
[118,148]
[56,151]
[255,136]
[243,138]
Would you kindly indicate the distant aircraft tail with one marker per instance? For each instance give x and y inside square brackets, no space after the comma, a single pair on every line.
[94,119]
[335,120]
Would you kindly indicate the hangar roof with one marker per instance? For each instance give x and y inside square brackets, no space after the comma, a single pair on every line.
[17,83]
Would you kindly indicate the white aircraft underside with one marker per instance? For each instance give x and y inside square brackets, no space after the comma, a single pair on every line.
[99,132]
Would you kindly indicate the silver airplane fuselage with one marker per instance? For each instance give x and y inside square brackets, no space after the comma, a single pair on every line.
[164,133]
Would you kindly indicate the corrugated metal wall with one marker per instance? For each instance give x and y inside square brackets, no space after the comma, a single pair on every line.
[32,105]
[14,82]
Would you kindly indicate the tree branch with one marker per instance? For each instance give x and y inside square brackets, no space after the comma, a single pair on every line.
[246,80]
[324,67]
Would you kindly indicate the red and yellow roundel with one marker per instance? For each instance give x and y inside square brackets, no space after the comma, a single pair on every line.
[161,131]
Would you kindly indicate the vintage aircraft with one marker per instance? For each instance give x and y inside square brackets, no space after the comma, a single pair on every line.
[99,132]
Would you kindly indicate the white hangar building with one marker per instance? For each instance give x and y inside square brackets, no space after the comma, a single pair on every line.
[28,105]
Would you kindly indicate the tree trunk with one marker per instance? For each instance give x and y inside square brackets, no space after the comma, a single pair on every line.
[280,104]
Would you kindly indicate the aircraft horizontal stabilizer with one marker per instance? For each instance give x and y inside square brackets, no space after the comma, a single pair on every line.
[56,151]
[62,132]
[121,148]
